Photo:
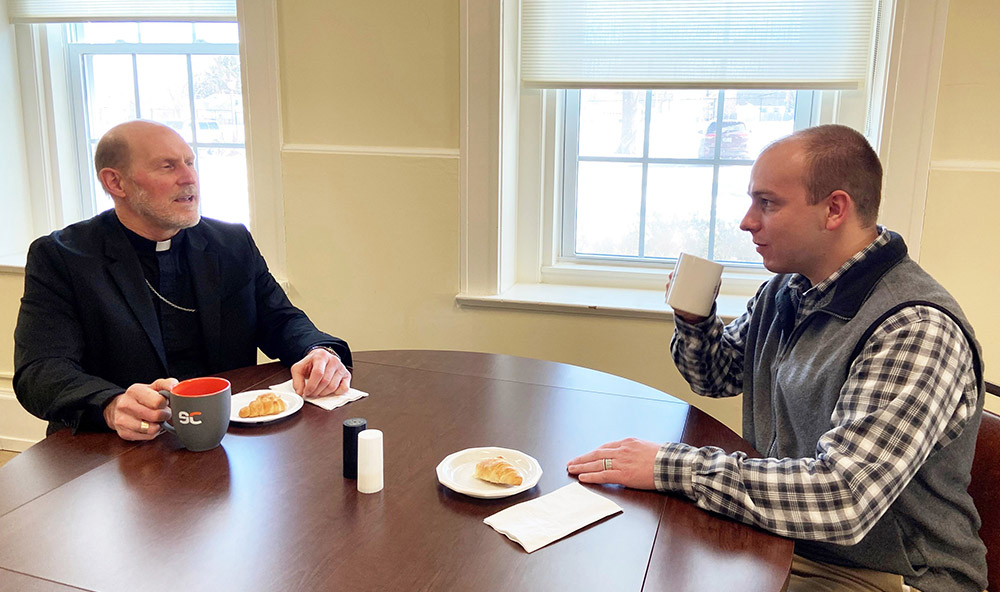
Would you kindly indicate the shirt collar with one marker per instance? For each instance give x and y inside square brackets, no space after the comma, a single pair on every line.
[144,245]
[800,284]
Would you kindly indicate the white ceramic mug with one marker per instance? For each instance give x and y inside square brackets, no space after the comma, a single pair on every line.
[695,285]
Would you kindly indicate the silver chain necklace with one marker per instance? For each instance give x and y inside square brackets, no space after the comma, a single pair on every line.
[160,296]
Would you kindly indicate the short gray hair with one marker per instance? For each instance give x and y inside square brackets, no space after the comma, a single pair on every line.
[112,152]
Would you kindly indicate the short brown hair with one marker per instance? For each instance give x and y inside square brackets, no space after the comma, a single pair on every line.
[839,157]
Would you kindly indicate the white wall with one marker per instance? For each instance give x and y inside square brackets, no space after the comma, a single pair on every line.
[15,225]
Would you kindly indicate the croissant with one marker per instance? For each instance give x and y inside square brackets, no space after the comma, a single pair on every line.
[266,404]
[497,470]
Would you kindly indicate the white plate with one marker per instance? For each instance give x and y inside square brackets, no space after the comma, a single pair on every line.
[456,470]
[241,400]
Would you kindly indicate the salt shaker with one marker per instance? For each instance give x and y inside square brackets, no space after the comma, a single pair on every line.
[370,461]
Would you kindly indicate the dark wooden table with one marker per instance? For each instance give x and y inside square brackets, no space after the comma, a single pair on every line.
[269,509]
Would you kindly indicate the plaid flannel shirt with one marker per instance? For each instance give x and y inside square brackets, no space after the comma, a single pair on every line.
[909,392]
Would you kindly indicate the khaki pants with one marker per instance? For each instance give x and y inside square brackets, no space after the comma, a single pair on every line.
[812,576]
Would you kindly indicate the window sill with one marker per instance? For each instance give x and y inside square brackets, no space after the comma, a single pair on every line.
[593,300]
[742,281]
[13,263]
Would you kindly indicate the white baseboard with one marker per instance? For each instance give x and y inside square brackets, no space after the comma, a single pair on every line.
[18,428]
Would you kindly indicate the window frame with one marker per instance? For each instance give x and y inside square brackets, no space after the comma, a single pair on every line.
[507,258]
[804,117]
[52,145]
[77,51]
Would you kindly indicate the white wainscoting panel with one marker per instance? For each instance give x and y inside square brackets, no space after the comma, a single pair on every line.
[18,428]
[404,151]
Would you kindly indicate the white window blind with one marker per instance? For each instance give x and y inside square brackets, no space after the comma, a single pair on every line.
[63,11]
[719,44]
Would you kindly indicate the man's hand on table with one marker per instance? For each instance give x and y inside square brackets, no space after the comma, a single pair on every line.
[139,404]
[319,374]
[632,463]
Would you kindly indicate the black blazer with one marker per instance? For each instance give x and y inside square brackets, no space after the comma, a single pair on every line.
[87,328]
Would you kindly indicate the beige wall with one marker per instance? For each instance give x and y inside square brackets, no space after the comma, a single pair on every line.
[379,73]
[18,429]
[372,241]
[961,244]
[389,283]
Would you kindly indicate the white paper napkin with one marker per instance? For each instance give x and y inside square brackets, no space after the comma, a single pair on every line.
[538,522]
[328,403]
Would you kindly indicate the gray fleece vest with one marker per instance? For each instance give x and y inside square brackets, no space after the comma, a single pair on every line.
[792,381]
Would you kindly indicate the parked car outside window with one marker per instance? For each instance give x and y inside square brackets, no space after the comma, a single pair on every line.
[734,141]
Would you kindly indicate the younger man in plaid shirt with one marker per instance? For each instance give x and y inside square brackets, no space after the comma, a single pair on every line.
[862,387]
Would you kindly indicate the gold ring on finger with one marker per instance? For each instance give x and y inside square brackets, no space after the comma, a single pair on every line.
[144,426]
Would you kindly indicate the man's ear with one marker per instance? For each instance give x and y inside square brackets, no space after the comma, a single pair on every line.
[838,209]
[113,181]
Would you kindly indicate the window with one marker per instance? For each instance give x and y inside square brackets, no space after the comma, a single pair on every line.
[655,171]
[648,173]
[519,243]
[184,75]
[228,74]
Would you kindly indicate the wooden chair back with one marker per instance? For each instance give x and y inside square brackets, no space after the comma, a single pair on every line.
[985,488]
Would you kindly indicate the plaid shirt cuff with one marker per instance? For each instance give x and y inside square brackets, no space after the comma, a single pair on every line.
[672,470]
[698,328]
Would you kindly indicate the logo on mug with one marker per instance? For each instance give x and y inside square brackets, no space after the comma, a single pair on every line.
[191,418]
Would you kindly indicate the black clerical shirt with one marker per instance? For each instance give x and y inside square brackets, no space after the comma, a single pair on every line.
[164,265]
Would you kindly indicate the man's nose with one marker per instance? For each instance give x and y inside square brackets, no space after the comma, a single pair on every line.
[749,221]
[189,175]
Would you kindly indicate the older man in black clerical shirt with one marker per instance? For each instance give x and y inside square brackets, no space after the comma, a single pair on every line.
[122,305]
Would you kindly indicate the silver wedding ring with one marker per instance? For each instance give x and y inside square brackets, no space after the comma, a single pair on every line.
[607,464]
[143,426]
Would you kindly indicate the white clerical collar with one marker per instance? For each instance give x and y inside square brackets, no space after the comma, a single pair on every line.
[163,245]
